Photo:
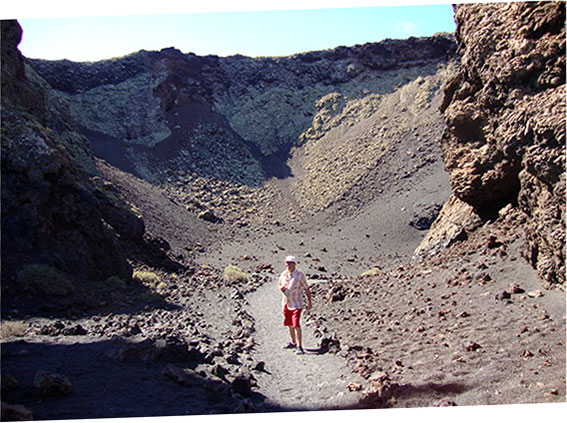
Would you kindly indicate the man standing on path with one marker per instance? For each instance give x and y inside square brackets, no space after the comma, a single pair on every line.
[293,283]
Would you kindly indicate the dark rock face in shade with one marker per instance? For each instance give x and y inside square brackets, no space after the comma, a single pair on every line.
[53,213]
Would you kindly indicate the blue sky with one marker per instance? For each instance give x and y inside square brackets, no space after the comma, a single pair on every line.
[218,28]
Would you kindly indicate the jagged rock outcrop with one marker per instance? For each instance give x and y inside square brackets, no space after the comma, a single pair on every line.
[505,114]
[163,112]
[53,212]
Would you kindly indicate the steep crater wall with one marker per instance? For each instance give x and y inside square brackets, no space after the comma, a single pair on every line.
[163,112]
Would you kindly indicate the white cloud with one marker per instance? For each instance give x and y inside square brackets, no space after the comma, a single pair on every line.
[406,27]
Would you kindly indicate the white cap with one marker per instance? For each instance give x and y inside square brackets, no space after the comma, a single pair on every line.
[290,259]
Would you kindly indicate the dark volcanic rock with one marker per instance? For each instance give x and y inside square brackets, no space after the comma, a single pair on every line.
[423,218]
[505,114]
[148,108]
[210,216]
[242,383]
[9,383]
[12,412]
[52,383]
[52,211]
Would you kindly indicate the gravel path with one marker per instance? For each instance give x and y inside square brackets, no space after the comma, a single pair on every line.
[313,381]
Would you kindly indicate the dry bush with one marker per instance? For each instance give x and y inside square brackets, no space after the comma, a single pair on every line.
[372,272]
[12,328]
[234,274]
[43,279]
[146,278]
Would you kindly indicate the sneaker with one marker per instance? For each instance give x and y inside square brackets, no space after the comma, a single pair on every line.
[289,346]
[300,351]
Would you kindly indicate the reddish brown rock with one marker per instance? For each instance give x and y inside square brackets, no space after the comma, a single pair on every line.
[454,221]
[505,115]
[472,346]
[12,412]
[353,386]
[52,383]
[379,379]
[263,266]
[175,373]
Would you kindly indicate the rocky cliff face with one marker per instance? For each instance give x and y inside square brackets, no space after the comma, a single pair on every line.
[155,113]
[55,209]
[505,114]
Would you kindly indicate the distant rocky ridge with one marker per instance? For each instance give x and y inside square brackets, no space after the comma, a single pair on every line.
[505,138]
[152,108]
[342,122]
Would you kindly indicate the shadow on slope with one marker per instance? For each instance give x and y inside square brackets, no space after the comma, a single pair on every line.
[88,298]
[117,378]
[121,378]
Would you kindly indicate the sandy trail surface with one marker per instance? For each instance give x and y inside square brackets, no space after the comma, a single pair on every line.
[313,381]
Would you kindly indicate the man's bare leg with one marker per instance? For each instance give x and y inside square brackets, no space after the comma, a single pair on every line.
[297,335]
[292,334]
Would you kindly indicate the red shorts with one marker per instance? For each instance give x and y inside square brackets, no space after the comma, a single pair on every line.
[291,317]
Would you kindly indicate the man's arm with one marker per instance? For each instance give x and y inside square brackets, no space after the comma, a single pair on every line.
[281,284]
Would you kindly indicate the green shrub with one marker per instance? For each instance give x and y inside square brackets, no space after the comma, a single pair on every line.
[372,272]
[115,282]
[146,278]
[234,274]
[44,279]
[12,328]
